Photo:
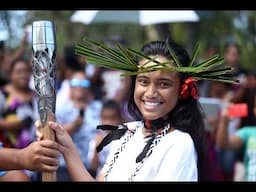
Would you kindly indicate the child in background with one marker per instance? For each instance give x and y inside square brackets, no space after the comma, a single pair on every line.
[110,115]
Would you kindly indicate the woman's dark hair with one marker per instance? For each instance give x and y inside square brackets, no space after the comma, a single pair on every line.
[186,116]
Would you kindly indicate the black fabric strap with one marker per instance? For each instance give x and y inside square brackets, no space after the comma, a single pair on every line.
[153,126]
[143,154]
[107,127]
[116,133]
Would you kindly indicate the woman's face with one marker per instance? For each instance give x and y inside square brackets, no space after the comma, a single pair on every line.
[20,75]
[156,93]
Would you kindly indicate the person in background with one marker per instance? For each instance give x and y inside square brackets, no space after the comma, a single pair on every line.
[72,63]
[232,58]
[18,106]
[80,114]
[6,58]
[244,137]
[110,115]
[117,87]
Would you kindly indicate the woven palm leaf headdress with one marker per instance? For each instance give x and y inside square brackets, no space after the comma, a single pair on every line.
[125,59]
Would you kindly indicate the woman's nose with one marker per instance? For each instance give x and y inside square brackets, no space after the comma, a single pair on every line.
[151,92]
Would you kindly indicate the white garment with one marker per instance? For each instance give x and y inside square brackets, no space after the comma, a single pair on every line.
[173,159]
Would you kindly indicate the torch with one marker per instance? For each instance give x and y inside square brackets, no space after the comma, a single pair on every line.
[44,74]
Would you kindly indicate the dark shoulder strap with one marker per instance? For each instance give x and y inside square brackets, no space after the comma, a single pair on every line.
[116,133]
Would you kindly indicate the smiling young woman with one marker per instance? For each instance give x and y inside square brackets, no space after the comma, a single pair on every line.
[153,91]
[165,142]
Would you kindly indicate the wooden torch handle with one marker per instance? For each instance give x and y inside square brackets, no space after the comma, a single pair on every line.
[48,133]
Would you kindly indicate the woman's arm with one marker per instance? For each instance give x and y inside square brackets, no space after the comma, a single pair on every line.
[75,165]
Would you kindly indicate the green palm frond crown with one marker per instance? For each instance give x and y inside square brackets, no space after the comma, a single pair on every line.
[125,59]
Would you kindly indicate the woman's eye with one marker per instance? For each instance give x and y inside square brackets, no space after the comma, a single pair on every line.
[164,84]
[142,81]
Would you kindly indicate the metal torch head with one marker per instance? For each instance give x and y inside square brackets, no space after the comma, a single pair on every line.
[44,37]
[43,65]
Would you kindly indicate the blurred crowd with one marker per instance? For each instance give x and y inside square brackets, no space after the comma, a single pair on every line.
[89,95]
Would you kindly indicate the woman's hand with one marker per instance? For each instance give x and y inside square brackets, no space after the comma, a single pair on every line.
[63,138]
[75,166]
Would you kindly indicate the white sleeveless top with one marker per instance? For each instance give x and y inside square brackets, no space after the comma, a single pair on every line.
[174,158]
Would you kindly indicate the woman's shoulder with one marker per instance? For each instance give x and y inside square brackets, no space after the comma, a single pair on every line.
[178,138]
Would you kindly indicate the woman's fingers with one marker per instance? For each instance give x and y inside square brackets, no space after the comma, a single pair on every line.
[63,138]
[53,125]
[38,124]
[56,127]
[39,135]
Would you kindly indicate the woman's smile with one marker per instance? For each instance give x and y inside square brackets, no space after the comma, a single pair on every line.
[151,105]
[156,93]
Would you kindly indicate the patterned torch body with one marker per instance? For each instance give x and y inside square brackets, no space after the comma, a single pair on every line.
[44,68]
[44,74]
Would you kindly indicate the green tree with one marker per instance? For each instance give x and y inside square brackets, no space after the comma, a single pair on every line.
[69,33]
[214,28]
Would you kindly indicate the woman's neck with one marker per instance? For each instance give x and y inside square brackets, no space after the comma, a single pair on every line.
[152,126]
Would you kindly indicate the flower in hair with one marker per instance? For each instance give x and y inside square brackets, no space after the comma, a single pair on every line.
[188,88]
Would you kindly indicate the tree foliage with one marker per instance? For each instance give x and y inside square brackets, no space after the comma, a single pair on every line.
[215,28]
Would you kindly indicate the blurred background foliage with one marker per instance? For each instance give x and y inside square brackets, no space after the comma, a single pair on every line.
[215,28]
